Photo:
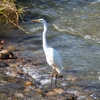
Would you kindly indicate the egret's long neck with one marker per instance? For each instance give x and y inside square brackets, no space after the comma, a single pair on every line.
[45,45]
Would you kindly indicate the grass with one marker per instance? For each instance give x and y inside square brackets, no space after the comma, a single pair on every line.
[10,13]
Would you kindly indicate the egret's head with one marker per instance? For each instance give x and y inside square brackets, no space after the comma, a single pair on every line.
[39,20]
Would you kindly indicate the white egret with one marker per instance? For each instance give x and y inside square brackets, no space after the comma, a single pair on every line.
[52,56]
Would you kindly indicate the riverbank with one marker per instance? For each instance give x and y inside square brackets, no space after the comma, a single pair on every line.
[18,83]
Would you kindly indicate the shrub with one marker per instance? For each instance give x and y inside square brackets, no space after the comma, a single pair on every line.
[9,14]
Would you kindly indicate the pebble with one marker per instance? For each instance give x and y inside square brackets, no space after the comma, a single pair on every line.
[71,97]
[58,90]
[72,77]
[51,93]
[28,83]
[19,95]
[1,47]
[11,48]
[27,90]
[39,91]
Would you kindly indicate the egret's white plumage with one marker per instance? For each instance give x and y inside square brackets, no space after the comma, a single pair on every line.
[52,56]
[53,59]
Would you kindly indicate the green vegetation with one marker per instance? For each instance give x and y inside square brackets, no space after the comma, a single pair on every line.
[10,13]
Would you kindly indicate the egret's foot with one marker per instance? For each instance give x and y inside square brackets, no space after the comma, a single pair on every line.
[60,76]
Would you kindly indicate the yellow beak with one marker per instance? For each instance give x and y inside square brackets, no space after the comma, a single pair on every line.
[35,20]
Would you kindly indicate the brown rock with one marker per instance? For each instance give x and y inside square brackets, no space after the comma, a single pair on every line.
[58,90]
[5,54]
[51,93]
[28,83]
[71,97]
[27,90]
[11,48]
[39,91]
[72,77]
[19,95]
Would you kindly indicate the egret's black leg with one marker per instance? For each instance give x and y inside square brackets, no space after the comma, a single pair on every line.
[52,77]
[56,78]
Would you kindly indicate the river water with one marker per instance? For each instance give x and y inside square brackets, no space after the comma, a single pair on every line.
[73,29]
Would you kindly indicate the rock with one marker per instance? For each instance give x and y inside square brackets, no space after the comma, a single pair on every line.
[19,95]
[1,47]
[27,90]
[20,72]
[39,91]
[72,77]
[51,93]
[3,64]
[5,54]
[28,83]
[55,92]
[2,41]
[71,97]
[11,48]
[58,90]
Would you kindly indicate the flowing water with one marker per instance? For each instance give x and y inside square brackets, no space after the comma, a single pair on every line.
[73,29]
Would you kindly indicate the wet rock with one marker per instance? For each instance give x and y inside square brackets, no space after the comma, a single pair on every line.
[20,72]
[5,54]
[58,90]
[60,94]
[28,83]
[11,71]
[54,91]
[2,41]
[75,88]
[3,64]
[51,93]
[39,91]
[72,77]
[1,47]
[71,97]
[11,48]
[19,95]
[27,90]
[13,65]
